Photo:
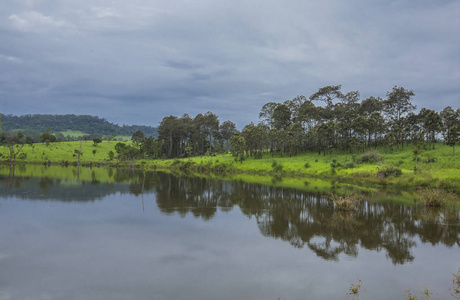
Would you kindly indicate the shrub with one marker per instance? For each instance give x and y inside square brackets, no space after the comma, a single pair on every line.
[389,171]
[350,165]
[345,203]
[307,165]
[371,156]
[277,167]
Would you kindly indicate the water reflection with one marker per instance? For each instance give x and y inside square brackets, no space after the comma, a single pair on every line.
[304,220]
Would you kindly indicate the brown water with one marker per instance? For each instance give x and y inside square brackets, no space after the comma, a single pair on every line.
[151,235]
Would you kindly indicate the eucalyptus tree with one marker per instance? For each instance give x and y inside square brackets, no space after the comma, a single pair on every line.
[325,134]
[431,122]
[167,132]
[451,125]
[397,105]
[328,95]
[266,113]
[371,109]
[281,117]
[414,128]
[295,106]
[198,137]
[15,142]
[238,144]
[211,126]
[227,130]
[137,138]
[294,138]
[346,112]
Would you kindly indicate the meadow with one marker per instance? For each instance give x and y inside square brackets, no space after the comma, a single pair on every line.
[399,168]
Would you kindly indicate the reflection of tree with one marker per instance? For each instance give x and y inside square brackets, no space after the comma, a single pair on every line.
[304,220]
[307,219]
[197,196]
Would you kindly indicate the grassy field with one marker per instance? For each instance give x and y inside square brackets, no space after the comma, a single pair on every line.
[435,168]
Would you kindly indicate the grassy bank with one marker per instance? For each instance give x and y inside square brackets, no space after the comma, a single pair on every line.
[382,167]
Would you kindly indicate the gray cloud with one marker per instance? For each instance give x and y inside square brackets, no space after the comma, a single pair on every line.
[137,61]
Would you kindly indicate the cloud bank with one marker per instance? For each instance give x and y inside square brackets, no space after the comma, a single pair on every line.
[138,61]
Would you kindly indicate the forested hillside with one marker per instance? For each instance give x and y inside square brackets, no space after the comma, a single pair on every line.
[90,125]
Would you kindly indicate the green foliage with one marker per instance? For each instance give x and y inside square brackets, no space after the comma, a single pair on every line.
[97,141]
[387,171]
[277,167]
[371,156]
[72,125]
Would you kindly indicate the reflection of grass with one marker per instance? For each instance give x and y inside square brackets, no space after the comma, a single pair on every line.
[435,197]
[437,168]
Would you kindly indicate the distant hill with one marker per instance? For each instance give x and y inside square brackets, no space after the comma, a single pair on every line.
[90,125]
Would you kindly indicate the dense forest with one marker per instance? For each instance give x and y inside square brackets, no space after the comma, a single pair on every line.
[90,125]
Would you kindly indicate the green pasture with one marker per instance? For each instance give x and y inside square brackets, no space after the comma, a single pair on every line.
[73,133]
[435,168]
[63,152]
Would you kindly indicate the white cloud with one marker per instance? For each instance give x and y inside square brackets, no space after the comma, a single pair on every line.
[33,21]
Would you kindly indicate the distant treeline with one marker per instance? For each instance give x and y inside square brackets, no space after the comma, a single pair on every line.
[90,125]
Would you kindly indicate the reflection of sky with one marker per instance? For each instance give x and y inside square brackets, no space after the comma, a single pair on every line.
[111,249]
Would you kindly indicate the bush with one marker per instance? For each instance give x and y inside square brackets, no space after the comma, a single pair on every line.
[350,165]
[371,156]
[277,167]
[345,203]
[389,171]
[307,165]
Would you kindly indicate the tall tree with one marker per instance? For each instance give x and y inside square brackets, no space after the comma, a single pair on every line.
[211,125]
[227,130]
[451,125]
[431,122]
[397,105]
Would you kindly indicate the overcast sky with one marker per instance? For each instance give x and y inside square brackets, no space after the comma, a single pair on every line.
[136,61]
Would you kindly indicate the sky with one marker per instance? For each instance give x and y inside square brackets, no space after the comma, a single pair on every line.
[137,61]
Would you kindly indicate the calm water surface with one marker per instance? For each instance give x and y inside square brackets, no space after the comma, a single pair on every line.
[120,234]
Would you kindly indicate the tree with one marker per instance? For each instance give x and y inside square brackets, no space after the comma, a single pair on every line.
[396,106]
[266,114]
[451,125]
[137,138]
[96,141]
[281,117]
[328,94]
[227,130]
[211,125]
[238,144]
[15,142]
[47,138]
[431,122]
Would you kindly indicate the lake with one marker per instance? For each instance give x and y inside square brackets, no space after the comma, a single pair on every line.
[68,233]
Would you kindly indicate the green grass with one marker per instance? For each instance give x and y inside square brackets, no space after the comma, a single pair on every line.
[73,133]
[63,151]
[436,168]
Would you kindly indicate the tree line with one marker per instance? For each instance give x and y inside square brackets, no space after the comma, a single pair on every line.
[34,125]
[328,120]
